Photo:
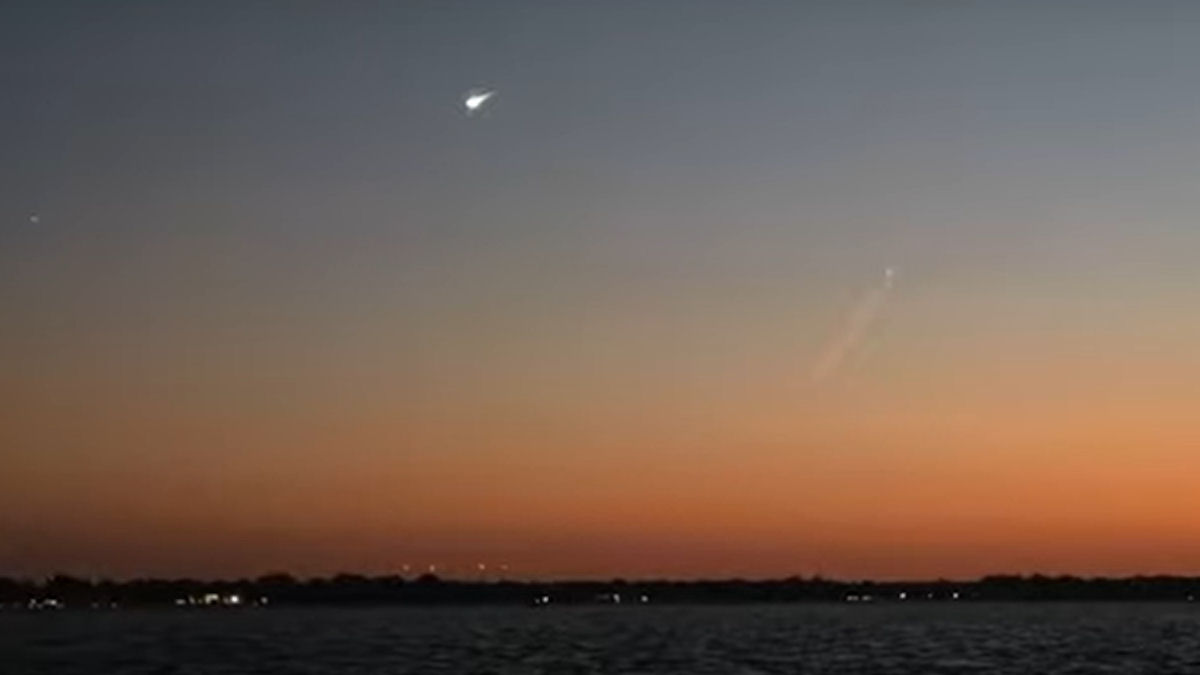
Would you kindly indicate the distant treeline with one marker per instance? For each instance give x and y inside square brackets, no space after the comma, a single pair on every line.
[352,589]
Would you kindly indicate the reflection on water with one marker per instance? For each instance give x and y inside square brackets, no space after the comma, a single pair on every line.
[1000,638]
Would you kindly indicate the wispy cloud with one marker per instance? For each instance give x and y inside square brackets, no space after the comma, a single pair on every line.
[847,341]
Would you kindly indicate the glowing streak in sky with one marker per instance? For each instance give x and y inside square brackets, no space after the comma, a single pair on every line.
[847,341]
[474,99]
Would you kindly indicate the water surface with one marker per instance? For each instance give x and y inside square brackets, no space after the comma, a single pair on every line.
[914,638]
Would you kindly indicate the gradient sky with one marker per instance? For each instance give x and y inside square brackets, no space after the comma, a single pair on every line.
[284,306]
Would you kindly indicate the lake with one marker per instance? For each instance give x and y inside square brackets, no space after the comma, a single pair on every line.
[883,638]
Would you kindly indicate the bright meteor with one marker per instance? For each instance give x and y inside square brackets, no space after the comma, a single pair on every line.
[474,99]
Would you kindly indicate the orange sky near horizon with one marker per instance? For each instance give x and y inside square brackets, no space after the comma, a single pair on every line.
[586,467]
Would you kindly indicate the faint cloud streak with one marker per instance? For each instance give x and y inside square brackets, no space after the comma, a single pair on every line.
[847,341]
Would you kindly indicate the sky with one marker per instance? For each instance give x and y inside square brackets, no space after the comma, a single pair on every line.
[864,289]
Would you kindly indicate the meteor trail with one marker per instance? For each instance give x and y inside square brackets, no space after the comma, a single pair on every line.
[474,99]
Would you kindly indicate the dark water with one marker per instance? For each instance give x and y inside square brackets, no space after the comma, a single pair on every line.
[944,638]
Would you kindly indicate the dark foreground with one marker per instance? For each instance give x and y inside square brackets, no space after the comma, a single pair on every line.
[744,639]
[352,589]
